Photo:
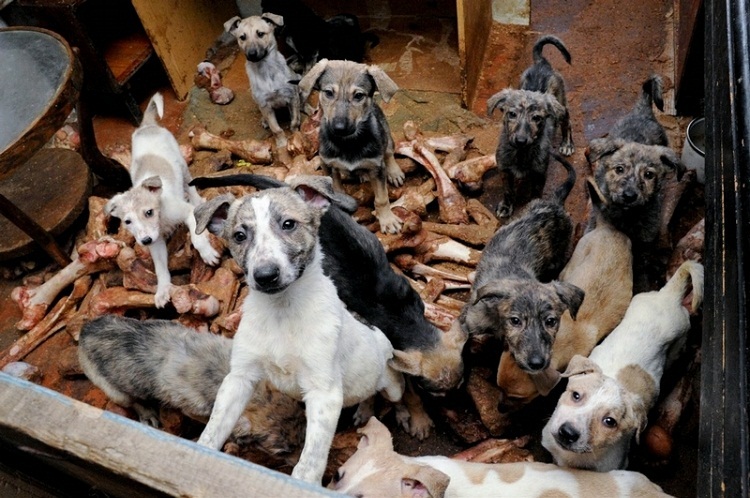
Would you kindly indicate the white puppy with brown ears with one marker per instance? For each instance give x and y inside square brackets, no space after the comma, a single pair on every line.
[376,470]
[160,199]
[610,393]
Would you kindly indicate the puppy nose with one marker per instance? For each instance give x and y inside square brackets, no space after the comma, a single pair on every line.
[629,196]
[521,139]
[568,434]
[146,240]
[339,125]
[536,362]
[266,275]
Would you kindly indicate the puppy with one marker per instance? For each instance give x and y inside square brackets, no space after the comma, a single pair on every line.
[640,124]
[354,134]
[601,266]
[525,140]
[541,77]
[271,80]
[312,38]
[376,470]
[160,199]
[295,331]
[508,297]
[136,362]
[610,393]
[365,281]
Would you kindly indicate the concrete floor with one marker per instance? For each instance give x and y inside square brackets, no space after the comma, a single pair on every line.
[420,53]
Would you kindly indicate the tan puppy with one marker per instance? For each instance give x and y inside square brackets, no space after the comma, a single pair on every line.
[376,470]
[602,266]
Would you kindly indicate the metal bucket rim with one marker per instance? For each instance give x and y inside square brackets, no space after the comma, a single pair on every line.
[690,141]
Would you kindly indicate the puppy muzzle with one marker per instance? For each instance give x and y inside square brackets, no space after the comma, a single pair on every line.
[567,436]
[267,279]
[341,127]
[256,55]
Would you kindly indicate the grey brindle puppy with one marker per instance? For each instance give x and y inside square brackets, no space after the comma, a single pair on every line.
[509,296]
[354,135]
[525,142]
[640,124]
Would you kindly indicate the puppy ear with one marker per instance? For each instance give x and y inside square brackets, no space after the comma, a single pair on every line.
[580,365]
[636,416]
[570,295]
[310,80]
[152,184]
[424,482]
[546,380]
[315,190]
[600,147]
[669,159]
[274,19]
[112,207]
[213,214]
[493,291]
[554,107]
[595,193]
[498,100]
[231,25]
[376,435]
[408,362]
[385,84]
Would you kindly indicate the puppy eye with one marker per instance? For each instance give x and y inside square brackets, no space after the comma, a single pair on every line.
[619,169]
[511,114]
[239,236]
[127,222]
[328,93]
[149,213]
[536,118]
[575,395]
[550,321]
[260,34]
[243,37]
[514,320]
[288,225]
[648,175]
[609,422]
[359,96]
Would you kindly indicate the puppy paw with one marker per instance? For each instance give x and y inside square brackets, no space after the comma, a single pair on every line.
[417,424]
[567,149]
[395,175]
[389,222]
[503,210]
[162,296]
[209,255]
[148,416]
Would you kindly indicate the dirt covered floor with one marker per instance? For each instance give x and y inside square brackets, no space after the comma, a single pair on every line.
[614,45]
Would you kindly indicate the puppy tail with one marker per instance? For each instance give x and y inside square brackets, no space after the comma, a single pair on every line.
[652,92]
[154,111]
[563,190]
[549,40]
[678,284]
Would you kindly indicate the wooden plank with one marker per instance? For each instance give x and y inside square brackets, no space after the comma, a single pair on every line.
[180,32]
[474,19]
[89,441]
[126,55]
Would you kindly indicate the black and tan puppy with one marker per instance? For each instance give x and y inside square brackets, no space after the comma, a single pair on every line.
[354,134]
[509,297]
[525,140]
[542,77]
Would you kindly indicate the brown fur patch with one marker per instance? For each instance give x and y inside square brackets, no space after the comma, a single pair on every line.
[511,473]
[636,380]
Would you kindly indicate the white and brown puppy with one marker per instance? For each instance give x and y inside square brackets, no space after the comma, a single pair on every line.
[601,266]
[376,470]
[160,199]
[271,80]
[354,135]
[295,331]
[610,393]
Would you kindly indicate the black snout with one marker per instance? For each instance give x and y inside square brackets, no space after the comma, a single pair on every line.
[267,276]
[629,196]
[341,126]
[146,241]
[521,140]
[536,362]
[255,55]
[567,434]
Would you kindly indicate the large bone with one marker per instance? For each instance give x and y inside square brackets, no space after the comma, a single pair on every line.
[409,263]
[441,248]
[470,172]
[417,198]
[498,451]
[452,204]
[477,235]
[439,316]
[49,325]
[93,257]
[254,151]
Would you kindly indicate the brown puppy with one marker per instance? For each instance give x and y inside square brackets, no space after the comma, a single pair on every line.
[354,134]
[601,265]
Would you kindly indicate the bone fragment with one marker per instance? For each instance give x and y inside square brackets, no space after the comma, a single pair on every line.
[498,451]
[441,248]
[689,247]
[470,171]
[407,262]
[209,78]
[417,198]
[477,235]
[254,151]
